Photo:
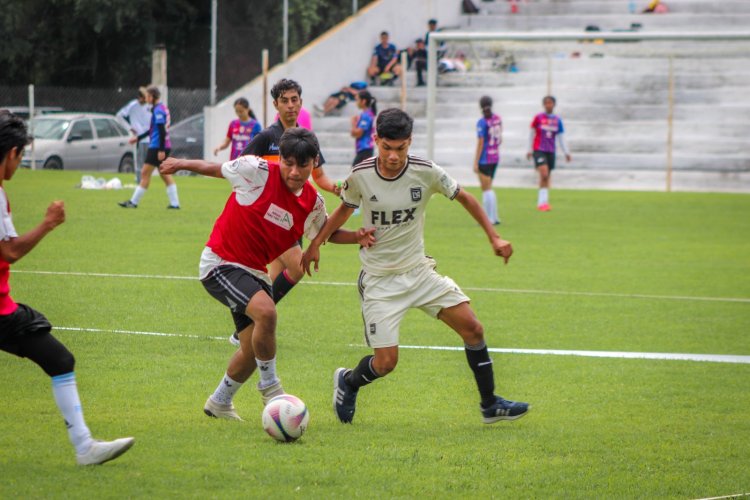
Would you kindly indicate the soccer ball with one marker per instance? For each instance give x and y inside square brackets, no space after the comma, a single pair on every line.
[285,418]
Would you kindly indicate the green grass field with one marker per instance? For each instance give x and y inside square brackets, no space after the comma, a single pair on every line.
[605,271]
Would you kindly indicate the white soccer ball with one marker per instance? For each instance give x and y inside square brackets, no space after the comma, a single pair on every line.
[285,418]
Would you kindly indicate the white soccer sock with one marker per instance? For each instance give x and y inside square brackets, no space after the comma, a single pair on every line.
[137,195]
[493,207]
[267,372]
[226,390]
[172,195]
[543,196]
[487,204]
[65,391]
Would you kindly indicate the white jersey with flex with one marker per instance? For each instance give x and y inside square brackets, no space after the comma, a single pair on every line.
[396,275]
[396,208]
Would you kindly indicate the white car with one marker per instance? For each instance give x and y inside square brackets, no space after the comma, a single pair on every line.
[79,141]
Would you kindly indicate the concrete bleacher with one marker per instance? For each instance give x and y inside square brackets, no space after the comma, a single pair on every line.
[613,97]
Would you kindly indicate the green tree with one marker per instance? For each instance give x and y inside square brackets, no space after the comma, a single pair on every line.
[104,43]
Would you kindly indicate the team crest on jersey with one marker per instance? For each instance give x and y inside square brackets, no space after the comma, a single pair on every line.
[277,215]
[416,194]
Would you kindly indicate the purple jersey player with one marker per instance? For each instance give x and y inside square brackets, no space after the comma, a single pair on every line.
[489,138]
[362,126]
[241,131]
[546,132]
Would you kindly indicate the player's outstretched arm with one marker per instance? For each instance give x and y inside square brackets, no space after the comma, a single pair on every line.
[334,222]
[323,181]
[501,247]
[15,248]
[209,169]
[364,237]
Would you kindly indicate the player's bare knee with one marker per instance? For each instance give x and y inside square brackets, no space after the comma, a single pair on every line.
[295,272]
[385,364]
[263,315]
[473,333]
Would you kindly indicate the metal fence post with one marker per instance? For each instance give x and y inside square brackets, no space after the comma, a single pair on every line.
[404,62]
[264,67]
[670,123]
[31,124]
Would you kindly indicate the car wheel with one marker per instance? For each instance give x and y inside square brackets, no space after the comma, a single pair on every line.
[53,163]
[126,164]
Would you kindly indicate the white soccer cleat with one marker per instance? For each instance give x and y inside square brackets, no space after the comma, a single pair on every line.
[270,392]
[217,410]
[234,339]
[104,451]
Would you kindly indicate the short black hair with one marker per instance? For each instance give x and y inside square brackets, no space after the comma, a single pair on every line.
[300,144]
[551,98]
[432,21]
[13,133]
[154,91]
[383,33]
[485,102]
[285,85]
[394,124]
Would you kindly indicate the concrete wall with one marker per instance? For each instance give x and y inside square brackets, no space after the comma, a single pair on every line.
[336,58]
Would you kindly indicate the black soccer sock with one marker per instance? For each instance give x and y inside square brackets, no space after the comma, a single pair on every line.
[481,364]
[281,286]
[363,374]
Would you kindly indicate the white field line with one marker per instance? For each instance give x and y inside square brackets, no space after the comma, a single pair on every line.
[473,289]
[715,358]
[738,495]
[135,332]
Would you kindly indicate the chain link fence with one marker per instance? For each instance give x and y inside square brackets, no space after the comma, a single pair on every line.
[182,102]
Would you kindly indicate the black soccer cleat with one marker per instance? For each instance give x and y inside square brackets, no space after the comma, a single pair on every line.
[344,396]
[127,204]
[502,409]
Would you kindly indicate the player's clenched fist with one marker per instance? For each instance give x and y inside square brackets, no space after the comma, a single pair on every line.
[55,213]
[502,249]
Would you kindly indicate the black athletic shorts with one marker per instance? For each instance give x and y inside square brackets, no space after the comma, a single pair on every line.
[152,156]
[23,321]
[234,287]
[362,156]
[488,169]
[544,158]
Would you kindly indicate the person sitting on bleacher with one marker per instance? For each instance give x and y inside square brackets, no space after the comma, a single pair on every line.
[384,64]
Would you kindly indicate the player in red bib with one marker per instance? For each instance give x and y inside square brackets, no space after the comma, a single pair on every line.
[25,331]
[271,206]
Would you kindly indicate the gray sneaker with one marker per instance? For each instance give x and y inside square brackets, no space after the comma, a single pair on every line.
[270,392]
[218,410]
[104,451]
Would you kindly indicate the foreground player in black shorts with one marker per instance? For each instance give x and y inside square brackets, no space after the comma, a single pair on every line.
[285,271]
[26,332]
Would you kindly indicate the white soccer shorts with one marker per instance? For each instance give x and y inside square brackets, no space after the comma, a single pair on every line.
[385,300]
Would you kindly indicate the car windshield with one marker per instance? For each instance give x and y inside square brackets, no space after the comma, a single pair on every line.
[50,128]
